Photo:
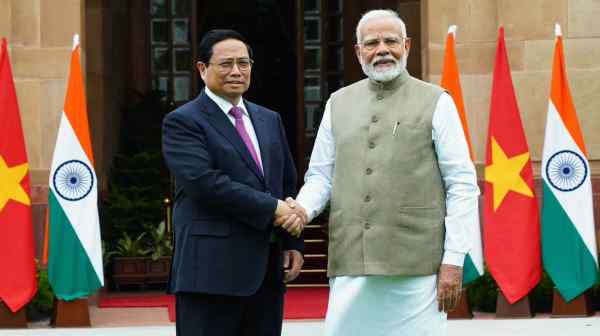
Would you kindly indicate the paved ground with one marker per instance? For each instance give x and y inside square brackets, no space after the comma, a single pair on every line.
[154,322]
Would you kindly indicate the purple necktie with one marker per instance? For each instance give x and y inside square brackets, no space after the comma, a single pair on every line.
[237,112]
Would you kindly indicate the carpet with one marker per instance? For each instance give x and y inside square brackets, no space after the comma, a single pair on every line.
[305,303]
[300,302]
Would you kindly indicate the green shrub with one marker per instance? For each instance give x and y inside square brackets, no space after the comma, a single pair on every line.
[483,293]
[139,180]
[40,306]
[160,243]
[127,247]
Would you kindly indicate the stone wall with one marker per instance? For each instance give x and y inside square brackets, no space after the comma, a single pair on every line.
[40,38]
[529,33]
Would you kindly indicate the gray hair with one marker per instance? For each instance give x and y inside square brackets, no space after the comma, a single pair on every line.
[378,14]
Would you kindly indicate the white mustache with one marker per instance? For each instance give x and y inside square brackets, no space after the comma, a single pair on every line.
[383,58]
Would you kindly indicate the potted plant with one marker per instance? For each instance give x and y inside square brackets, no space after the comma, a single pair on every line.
[129,264]
[159,264]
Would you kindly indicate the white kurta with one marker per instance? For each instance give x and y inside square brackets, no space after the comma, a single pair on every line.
[384,306]
[387,305]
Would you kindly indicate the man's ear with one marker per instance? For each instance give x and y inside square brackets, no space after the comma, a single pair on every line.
[201,70]
[407,45]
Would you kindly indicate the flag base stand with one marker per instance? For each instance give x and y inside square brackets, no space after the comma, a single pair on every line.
[463,309]
[74,313]
[518,310]
[11,320]
[578,307]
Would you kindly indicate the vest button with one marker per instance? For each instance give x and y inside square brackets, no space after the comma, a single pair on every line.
[371,144]
[367,225]
[367,198]
[369,171]
[374,119]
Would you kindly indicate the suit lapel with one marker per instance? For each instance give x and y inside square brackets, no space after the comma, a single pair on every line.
[263,134]
[223,125]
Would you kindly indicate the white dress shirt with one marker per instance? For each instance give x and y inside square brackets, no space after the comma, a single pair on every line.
[225,107]
[456,167]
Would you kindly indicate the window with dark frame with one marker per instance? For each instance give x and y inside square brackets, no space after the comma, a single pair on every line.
[170,49]
[323,59]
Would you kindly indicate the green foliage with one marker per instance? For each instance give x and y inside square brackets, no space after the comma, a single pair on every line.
[127,247]
[160,244]
[541,296]
[483,293]
[137,189]
[595,295]
[41,305]
[107,254]
[139,180]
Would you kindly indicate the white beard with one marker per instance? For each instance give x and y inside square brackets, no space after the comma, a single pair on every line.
[387,74]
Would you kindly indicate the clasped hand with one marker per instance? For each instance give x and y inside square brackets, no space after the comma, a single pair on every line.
[290,216]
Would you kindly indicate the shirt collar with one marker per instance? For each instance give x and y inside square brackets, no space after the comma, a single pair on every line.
[223,104]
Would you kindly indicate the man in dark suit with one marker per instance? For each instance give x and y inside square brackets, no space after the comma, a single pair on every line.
[232,168]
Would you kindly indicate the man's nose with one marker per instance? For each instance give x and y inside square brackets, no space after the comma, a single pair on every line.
[382,49]
[235,70]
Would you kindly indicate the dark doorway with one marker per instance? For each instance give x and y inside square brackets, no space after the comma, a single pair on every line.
[268,25]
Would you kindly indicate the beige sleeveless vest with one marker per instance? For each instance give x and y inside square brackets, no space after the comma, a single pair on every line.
[388,201]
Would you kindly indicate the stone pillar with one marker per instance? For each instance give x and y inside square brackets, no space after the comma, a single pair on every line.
[106,69]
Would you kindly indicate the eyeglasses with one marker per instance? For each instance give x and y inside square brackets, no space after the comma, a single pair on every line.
[244,64]
[389,42]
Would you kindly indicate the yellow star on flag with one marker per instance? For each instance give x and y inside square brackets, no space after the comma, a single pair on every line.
[10,183]
[505,174]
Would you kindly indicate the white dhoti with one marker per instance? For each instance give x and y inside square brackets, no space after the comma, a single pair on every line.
[384,306]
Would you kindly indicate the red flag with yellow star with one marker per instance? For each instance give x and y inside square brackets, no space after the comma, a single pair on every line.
[17,265]
[511,231]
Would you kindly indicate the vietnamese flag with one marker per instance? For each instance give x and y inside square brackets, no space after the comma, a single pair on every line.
[511,231]
[17,265]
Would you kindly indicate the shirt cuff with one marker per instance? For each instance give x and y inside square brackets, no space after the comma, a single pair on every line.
[453,258]
[309,211]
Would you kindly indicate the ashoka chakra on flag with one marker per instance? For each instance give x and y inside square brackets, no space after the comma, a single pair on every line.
[566,170]
[73,180]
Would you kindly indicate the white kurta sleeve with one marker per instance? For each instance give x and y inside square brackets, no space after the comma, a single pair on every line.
[460,181]
[316,191]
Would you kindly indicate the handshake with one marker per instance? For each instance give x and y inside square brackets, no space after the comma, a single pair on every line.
[290,216]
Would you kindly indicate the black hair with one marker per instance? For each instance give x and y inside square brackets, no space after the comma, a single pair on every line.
[205,49]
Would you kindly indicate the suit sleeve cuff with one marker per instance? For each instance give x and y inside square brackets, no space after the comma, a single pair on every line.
[453,258]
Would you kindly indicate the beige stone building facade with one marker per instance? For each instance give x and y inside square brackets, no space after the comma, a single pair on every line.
[529,32]
[120,39]
[40,38]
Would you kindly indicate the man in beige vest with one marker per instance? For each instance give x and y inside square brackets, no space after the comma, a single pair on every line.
[391,156]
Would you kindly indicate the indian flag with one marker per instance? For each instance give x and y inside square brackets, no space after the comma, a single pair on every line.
[568,236]
[75,253]
[473,265]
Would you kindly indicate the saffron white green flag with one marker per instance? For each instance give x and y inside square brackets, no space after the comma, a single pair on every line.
[74,251]
[473,264]
[568,236]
